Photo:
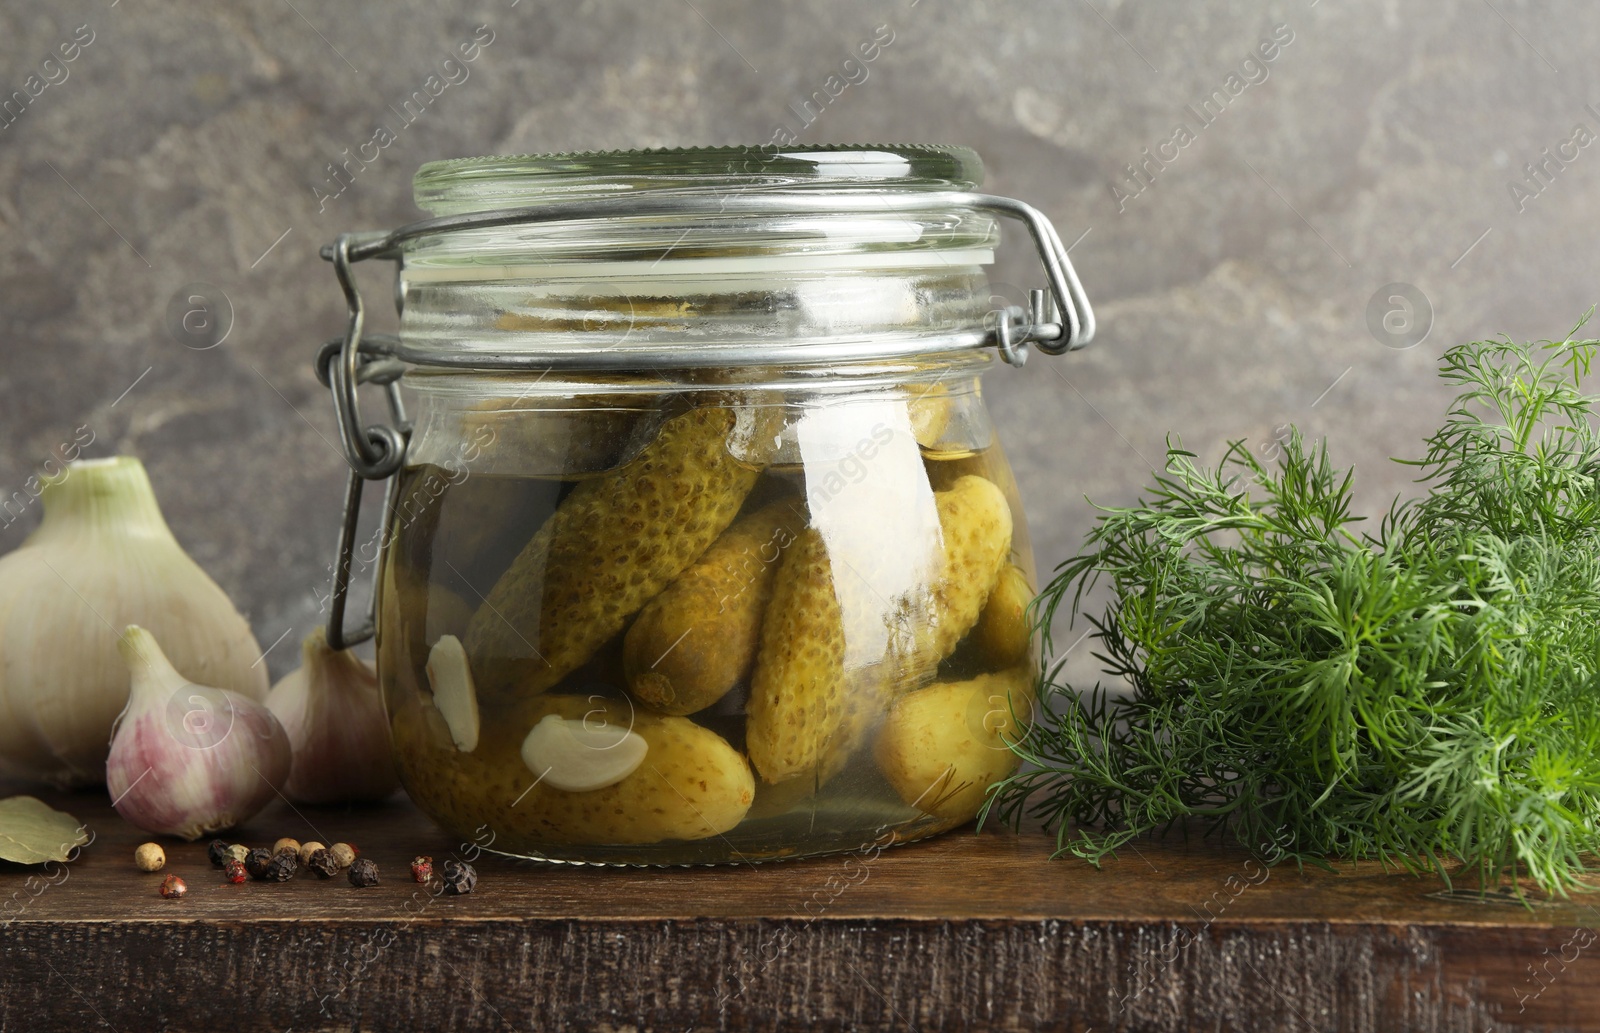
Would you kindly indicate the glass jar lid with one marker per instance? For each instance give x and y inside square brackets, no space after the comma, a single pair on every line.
[811,256]
[697,212]
[459,185]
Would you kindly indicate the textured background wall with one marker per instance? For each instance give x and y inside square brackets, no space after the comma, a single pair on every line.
[1379,145]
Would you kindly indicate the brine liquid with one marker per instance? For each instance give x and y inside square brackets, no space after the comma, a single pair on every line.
[453,536]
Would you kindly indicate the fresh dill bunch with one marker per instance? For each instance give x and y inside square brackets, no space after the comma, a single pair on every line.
[1427,695]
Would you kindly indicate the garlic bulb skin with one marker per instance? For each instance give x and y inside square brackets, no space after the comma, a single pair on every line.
[189,759]
[332,711]
[102,558]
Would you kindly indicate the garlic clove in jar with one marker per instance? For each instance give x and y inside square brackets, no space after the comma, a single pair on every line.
[578,757]
[454,694]
[332,711]
[189,759]
[102,558]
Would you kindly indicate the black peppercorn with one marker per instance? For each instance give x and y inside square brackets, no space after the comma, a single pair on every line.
[322,863]
[255,862]
[363,872]
[282,866]
[217,853]
[459,877]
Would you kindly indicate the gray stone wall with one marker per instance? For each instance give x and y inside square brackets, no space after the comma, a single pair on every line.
[186,141]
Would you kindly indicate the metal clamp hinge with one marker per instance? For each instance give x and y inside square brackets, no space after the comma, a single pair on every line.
[342,365]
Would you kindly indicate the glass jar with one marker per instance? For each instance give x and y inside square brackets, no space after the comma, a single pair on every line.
[700,546]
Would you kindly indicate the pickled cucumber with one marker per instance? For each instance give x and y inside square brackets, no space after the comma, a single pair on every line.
[1003,635]
[611,545]
[691,784]
[941,747]
[975,524]
[799,692]
[864,700]
[796,691]
[694,641]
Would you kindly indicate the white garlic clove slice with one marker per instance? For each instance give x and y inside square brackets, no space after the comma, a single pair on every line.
[454,693]
[579,756]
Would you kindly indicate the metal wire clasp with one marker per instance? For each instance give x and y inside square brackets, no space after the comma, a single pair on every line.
[1042,323]
[377,450]
[374,452]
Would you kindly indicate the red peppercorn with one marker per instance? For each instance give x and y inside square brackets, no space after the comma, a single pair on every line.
[172,886]
[235,871]
[422,869]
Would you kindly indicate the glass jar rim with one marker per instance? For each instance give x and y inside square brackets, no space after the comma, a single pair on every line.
[459,185]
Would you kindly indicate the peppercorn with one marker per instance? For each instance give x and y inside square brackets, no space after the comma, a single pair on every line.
[234,871]
[323,864]
[459,877]
[286,843]
[363,872]
[282,867]
[343,854]
[217,852]
[149,857]
[238,852]
[422,868]
[172,887]
[307,849]
[256,862]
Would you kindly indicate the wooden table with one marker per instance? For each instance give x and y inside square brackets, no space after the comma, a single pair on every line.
[966,932]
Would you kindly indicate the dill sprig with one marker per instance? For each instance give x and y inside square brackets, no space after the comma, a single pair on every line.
[1426,695]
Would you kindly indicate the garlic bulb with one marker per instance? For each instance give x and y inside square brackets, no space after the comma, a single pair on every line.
[101,559]
[188,759]
[334,716]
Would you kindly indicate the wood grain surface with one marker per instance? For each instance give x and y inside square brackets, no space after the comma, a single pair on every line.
[965,932]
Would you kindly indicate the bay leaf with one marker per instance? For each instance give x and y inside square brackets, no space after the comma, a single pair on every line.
[32,832]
